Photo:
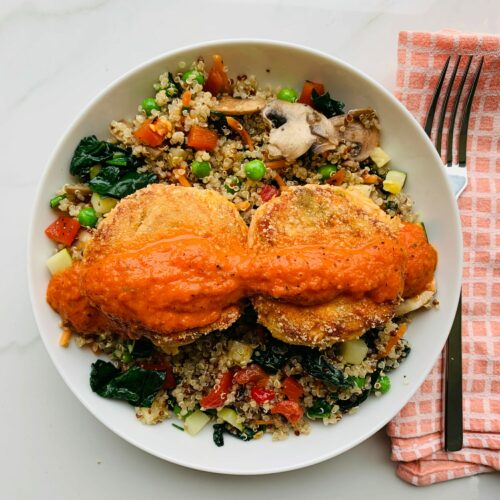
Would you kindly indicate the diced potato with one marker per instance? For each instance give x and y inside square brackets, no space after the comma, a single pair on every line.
[380,157]
[394,181]
[59,261]
[239,352]
[195,422]
[364,189]
[101,204]
[354,351]
[231,417]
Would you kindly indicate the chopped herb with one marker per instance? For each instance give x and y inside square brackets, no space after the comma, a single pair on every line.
[391,205]
[320,409]
[178,427]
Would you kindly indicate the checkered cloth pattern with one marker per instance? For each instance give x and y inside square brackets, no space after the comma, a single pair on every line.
[417,431]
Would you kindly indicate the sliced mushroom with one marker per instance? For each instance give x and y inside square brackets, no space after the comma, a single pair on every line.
[294,128]
[358,128]
[233,106]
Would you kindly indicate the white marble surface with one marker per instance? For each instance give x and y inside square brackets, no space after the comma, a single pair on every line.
[54,56]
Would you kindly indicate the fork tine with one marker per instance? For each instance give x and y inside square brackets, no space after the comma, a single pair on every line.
[442,115]
[435,98]
[451,126]
[464,126]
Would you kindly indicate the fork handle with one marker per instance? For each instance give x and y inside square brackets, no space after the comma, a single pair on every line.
[453,434]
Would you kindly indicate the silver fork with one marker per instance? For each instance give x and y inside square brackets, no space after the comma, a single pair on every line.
[457,175]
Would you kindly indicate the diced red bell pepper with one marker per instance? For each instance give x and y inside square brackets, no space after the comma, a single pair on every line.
[217,81]
[292,388]
[63,230]
[218,395]
[202,138]
[268,192]
[261,395]
[149,134]
[306,94]
[251,374]
[291,410]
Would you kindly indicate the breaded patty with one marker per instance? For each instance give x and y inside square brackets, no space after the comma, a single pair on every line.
[155,212]
[324,214]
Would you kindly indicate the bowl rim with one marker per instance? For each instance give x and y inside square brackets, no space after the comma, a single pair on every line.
[263,42]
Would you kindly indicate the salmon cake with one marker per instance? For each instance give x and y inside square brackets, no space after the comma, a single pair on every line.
[320,214]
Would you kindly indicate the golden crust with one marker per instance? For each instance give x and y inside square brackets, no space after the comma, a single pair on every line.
[159,209]
[319,214]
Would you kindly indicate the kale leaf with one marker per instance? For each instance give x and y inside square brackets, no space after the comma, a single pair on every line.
[355,400]
[135,385]
[272,356]
[143,348]
[91,151]
[320,409]
[319,366]
[218,435]
[106,182]
[326,105]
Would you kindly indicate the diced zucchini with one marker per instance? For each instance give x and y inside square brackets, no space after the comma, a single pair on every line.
[364,189]
[354,351]
[101,204]
[380,157]
[240,352]
[394,181]
[94,171]
[231,417]
[195,422]
[59,261]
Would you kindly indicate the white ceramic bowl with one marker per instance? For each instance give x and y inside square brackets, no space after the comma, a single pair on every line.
[411,151]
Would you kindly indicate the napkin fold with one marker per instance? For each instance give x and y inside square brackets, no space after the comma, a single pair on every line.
[417,431]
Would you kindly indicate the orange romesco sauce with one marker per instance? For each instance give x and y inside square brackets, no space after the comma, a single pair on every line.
[185,282]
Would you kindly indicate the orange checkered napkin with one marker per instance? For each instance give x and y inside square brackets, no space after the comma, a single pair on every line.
[417,431]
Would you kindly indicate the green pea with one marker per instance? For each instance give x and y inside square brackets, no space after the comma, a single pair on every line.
[255,170]
[326,171]
[54,202]
[385,384]
[192,74]
[232,184]
[149,104]
[201,168]
[287,94]
[360,382]
[87,217]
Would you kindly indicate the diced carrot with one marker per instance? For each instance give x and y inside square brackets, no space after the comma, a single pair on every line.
[280,181]
[394,340]
[217,81]
[202,138]
[306,94]
[65,337]
[371,179]
[337,178]
[149,134]
[186,98]
[276,164]
[63,230]
[183,180]
[235,125]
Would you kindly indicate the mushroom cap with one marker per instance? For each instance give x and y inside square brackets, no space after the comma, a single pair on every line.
[295,127]
[232,106]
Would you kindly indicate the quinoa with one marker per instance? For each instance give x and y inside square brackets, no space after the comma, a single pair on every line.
[197,367]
